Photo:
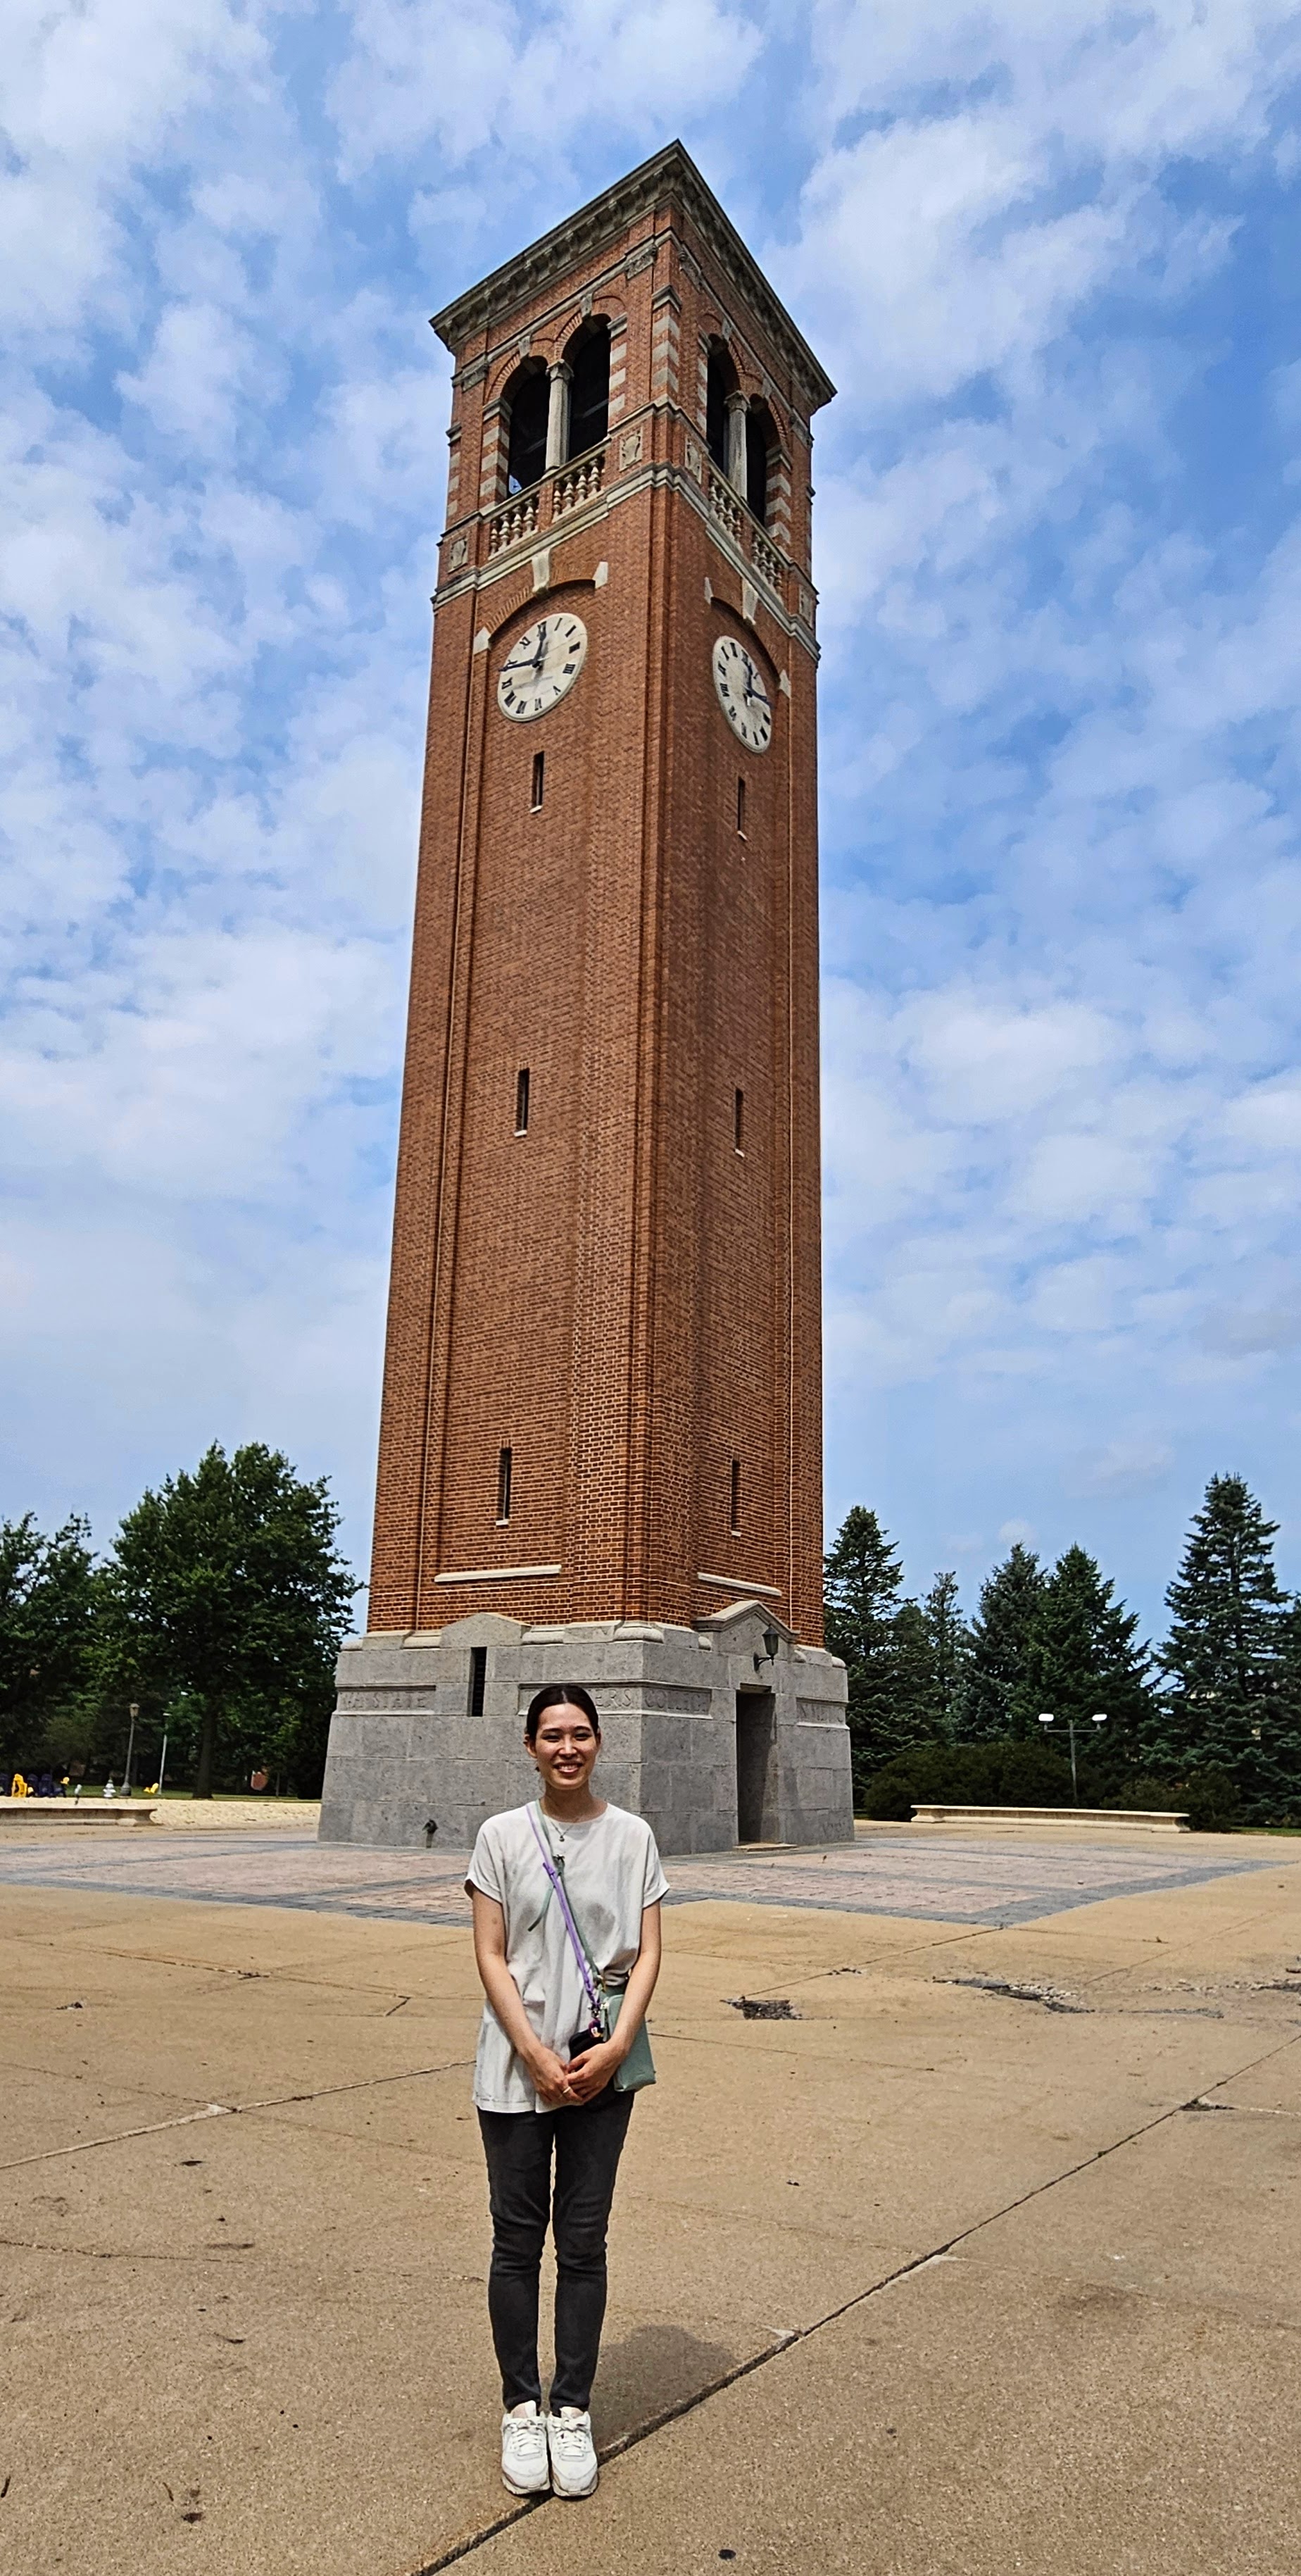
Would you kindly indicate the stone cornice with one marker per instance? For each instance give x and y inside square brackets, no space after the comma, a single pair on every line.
[669,176]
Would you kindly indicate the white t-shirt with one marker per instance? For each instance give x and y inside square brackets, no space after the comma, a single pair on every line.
[611,1874]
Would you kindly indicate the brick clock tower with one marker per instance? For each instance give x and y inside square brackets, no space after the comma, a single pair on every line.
[600,1447]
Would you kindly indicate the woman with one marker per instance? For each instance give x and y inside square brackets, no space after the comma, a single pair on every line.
[544,2083]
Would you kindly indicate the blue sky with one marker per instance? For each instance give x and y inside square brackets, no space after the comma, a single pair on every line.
[1051,259]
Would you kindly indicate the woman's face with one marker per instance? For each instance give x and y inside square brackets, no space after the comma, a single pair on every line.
[565,1747]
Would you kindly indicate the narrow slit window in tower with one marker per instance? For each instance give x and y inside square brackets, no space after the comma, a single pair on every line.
[505,1462]
[736,1489]
[738,1121]
[478,1676]
[539,778]
[521,1110]
[740,807]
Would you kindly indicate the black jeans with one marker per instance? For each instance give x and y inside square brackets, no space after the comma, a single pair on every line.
[519,2146]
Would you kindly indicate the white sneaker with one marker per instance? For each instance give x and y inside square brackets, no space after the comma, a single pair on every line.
[573,2460]
[525,2469]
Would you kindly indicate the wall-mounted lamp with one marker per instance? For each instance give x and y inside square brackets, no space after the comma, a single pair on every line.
[771,1642]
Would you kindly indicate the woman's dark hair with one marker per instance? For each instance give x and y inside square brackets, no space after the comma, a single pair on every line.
[560,1695]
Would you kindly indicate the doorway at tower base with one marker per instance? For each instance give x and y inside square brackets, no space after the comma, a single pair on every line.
[717,1733]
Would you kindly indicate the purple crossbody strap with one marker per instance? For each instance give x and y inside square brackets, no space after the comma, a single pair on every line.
[579,1948]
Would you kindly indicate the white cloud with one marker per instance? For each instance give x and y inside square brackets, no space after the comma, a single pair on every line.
[91,96]
[527,86]
[1137,1464]
[199,364]
[1059,689]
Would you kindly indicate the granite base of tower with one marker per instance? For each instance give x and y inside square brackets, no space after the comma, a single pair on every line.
[722,1733]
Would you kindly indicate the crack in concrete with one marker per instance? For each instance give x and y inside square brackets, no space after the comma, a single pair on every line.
[804,2334]
[1053,1998]
[1243,2110]
[127,2253]
[152,2129]
[283,1976]
[286,1976]
[239,2110]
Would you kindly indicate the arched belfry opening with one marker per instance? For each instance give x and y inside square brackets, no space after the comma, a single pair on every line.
[720,382]
[526,444]
[588,360]
[759,444]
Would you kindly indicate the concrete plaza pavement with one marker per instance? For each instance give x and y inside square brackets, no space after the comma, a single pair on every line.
[987,2261]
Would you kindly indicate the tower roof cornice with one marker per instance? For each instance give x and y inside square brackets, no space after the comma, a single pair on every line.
[669,177]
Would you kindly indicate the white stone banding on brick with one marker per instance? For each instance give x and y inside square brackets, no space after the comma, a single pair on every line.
[737,1583]
[499,1574]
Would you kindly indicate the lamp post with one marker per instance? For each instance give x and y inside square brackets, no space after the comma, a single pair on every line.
[1047,1718]
[133,1712]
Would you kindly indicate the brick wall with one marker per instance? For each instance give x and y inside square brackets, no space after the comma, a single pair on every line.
[619,1297]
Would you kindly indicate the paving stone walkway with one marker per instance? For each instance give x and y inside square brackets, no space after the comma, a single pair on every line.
[919,2278]
[939,1878]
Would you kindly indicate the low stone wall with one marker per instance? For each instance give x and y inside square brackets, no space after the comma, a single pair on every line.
[1127,1820]
[34,1815]
[238,1815]
[176,1815]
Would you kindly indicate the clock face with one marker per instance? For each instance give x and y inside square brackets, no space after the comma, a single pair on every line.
[542,666]
[741,694]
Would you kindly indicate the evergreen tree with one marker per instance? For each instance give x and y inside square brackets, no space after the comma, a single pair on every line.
[902,1657]
[863,1582]
[950,1641]
[47,1604]
[225,1586]
[992,1705]
[1279,1749]
[1080,1657]
[914,1701]
[1231,1657]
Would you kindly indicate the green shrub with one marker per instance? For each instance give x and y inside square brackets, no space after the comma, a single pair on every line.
[1151,1793]
[1007,1774]
[1012,1774]
[888,1796]
[1212,1800]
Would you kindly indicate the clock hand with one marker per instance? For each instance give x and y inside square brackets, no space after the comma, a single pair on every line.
[531,662]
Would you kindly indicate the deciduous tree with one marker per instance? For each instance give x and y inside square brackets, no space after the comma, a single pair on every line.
[226,1585]
[47,1604]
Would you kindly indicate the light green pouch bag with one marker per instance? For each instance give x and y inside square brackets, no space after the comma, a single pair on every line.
[638,2067]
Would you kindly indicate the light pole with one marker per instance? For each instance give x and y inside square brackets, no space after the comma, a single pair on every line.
[133,1712]
[1047,1718]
